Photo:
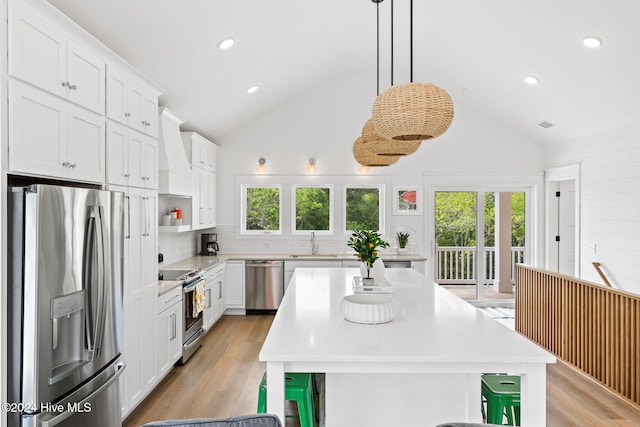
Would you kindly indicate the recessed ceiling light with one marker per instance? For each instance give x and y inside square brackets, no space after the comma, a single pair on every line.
[226,43]
[545,124]
[532,80]
[252,89]
[592,42]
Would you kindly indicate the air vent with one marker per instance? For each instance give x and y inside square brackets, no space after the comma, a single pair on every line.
[545,124]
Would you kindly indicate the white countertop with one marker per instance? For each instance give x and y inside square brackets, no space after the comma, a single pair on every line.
[431,325]
[432,353]
[204,262]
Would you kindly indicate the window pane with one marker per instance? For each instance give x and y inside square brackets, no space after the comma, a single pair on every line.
[363,208]
[263,208]
[313,210]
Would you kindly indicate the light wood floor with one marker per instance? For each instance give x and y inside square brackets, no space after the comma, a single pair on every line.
[222,378]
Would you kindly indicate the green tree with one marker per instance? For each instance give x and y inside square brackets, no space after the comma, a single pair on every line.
[313,210]
[363,209]
[517,219]
[455,218]
[263,208]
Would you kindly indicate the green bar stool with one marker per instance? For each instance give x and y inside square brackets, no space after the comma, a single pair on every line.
[502,395]
[298,387]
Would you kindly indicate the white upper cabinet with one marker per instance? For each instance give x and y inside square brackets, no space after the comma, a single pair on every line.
[132,157]
[202,152]
[51,137]
[41,54]
[131,102]
[203,156]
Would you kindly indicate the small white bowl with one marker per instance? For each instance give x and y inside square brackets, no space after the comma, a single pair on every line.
[370,309]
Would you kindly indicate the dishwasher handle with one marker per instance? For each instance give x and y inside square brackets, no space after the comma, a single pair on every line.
[264,264]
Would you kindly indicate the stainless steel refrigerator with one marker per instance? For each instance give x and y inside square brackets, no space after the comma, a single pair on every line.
[65,306]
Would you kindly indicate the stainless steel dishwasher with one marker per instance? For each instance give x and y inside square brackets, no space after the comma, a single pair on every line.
[264,285]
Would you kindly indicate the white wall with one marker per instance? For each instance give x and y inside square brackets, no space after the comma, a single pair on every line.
[609,202]
[323,124]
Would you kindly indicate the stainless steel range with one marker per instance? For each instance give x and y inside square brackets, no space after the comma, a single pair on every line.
[192,331]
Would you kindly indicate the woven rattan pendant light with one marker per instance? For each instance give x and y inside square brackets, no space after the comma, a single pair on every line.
[367,158]
[372,140]
[386,147]
[412,111]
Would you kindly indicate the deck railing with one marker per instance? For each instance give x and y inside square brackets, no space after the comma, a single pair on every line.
[457,264]
[595,328]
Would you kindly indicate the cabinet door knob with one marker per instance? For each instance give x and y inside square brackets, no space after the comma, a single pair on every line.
[65,84]
[127,114]
[126,175]
[71,87]
[73,165]
[65,164]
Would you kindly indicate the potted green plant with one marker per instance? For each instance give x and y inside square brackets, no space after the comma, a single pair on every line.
[403,239]
[366,244]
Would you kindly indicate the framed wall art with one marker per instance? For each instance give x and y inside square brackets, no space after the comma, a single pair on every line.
[407,200]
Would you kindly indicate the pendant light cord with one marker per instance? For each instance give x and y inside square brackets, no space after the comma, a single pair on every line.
[391,43]
[411,41]
[377,49]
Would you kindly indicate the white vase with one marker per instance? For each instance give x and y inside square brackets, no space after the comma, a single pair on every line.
[377,271]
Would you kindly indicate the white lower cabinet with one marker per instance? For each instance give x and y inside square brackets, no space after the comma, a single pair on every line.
[213,294]
[169,331]
[233,284]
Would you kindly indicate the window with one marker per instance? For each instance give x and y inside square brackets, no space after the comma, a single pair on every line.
[261,212]
[364,208]
[313,209]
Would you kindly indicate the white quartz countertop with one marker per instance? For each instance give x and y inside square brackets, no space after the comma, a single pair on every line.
[431,326]
[205,262]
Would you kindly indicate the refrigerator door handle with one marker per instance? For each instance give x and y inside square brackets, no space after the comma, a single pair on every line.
[66,414]
[55,333]
[87,282]
[103,275]
[128,235]
[94,256]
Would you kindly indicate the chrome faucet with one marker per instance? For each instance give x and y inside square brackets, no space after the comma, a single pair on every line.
[314,245]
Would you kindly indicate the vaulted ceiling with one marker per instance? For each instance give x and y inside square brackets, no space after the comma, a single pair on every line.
[479,51]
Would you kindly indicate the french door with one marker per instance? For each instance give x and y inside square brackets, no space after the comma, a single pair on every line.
[478,238]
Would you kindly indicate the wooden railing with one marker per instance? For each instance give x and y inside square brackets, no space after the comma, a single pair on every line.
[595,328]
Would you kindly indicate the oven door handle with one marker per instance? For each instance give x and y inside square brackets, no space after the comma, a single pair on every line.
[191,286]
[193,340]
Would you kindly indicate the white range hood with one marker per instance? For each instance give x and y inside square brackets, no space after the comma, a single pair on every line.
[175,176]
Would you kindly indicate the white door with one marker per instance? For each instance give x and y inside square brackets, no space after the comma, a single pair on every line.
[150,162]
[117,155]
[85,144]
[133,299]
[37,131]
[136,152]
[561,250]
[136,105]
[211,199]
[37,50]
[150,118]
[467,250]
[117,95]
[86,78]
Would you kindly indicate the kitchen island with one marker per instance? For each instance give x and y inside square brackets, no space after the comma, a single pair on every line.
[421,369]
